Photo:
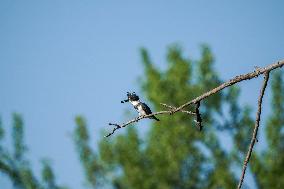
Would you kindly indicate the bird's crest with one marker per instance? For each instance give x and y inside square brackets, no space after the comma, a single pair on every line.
[131,97]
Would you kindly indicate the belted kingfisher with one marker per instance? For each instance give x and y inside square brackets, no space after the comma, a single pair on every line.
[141,107]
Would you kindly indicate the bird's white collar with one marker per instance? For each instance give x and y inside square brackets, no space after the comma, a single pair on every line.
[135,103]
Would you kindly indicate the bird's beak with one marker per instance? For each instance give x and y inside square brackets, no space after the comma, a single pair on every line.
[123,101]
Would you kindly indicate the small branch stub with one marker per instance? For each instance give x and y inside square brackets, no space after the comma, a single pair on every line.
[198,116]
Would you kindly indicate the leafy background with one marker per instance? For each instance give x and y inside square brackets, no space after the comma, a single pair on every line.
[63,59]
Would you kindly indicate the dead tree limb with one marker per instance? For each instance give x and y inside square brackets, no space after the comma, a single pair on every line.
[172,110]
[256,126]
[237,79]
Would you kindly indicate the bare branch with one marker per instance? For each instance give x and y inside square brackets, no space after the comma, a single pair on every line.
[237,79]
[173,108]
[256,126]
[258,71]
[118,126]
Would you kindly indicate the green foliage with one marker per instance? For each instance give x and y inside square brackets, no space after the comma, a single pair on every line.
[173,154]
[18,136]
[47,175]
[88,158]
[2,132]
[17,167]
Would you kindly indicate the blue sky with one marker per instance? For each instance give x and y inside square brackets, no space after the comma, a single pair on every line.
[63,58]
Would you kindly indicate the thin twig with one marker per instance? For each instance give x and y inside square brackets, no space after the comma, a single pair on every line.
[256,73]
[173,108]
[118,126]
[256,126]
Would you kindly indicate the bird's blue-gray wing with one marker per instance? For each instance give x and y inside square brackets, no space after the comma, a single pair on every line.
[146,108]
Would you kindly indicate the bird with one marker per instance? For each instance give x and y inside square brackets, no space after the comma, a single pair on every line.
[142,108]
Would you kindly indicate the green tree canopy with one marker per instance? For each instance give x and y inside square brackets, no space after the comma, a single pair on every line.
[173,154]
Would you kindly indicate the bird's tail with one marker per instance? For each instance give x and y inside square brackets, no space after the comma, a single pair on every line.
[155,118]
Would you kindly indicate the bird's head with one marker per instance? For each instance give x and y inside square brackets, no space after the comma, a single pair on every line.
[132,96]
